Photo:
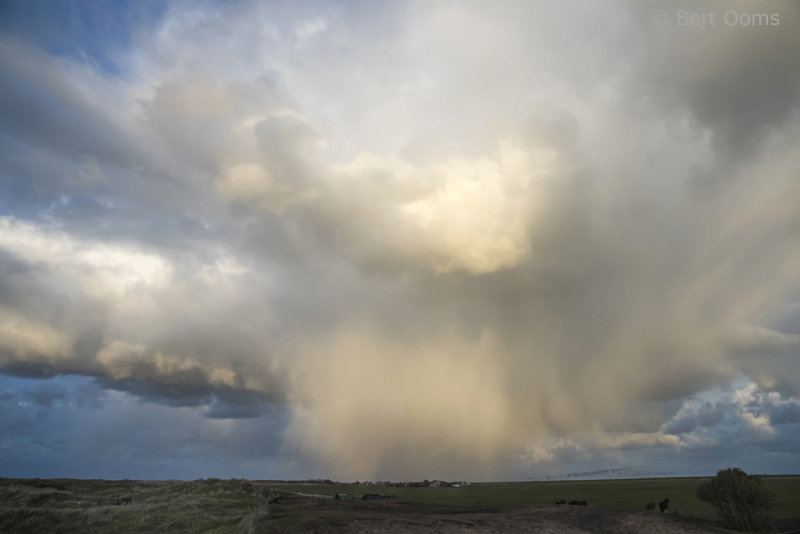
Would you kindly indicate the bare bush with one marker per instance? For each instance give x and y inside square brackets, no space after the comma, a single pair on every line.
[743,502]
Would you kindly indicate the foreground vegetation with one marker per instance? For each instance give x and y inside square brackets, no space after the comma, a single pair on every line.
[126,506]
[742,501]
[219,506]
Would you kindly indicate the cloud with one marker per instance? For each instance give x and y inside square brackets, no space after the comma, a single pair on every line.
[24,339]
[743,414]
[78,429]
[384,402]
[766,356]
[442,241]
[699,69]
[124,293]
[46,393]
[785,413]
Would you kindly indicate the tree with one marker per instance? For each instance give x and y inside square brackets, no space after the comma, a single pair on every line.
[743,501]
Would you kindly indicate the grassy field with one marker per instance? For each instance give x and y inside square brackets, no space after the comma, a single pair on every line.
[628,494]
[213,506]
[221,506]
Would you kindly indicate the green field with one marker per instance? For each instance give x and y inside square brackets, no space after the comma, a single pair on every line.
[627,494]
[221,506]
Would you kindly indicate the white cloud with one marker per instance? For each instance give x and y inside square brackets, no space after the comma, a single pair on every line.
[100,270]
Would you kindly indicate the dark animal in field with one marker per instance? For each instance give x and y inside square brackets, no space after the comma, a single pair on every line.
[377,497]
[579,503]
[123,500]
[650,506]
[562,501]
[664,505]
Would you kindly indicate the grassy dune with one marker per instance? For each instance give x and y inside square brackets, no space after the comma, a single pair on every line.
[221,506]
[156,506]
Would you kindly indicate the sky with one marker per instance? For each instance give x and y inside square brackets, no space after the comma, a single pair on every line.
[399,240]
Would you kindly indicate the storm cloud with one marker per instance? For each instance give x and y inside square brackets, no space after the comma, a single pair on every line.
[446,239]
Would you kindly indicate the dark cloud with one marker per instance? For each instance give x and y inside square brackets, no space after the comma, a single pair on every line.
[736,78]
[706,415]
[785,414]
[181,392]
[91,432]
[46,393]
[33,83]
[237,406]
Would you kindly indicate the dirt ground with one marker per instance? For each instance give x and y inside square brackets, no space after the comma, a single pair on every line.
[306,514]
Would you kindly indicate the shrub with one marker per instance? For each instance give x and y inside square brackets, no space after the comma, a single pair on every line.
[742,500]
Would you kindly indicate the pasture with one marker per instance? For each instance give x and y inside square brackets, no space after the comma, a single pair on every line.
[221,506]
[620,494]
